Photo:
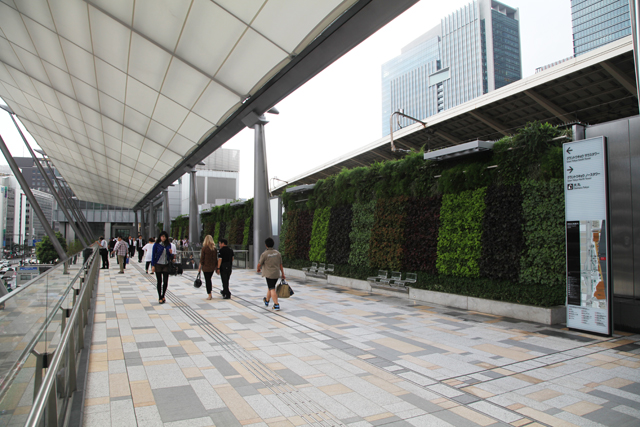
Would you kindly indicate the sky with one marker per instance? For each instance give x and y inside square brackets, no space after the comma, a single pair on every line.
[339,110]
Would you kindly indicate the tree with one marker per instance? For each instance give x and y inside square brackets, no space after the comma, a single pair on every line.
[45,252]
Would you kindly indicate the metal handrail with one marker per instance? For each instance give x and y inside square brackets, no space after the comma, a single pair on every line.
[8,380]
[38,408]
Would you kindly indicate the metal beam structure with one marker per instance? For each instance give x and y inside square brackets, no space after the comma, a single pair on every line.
[50,185]
[72,207]
[32,200]
[627,82]
[549,106]
[489,122]
[354,26]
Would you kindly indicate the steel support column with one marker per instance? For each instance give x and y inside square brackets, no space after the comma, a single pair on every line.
[166,215]
[152,221]
[34,204]
[634,14]
[194,230]
[135,224]
[50,185]
[143,224]
[261,208]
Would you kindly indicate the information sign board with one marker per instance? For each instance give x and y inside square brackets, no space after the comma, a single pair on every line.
[587,222]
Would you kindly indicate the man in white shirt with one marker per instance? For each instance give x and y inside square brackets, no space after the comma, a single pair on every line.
[104,252]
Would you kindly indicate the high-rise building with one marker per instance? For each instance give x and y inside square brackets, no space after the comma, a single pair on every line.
[598,22]
[471,52]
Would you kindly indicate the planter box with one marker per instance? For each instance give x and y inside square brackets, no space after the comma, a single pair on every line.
[529,313]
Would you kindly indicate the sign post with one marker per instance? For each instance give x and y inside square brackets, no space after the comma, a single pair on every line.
[587,236]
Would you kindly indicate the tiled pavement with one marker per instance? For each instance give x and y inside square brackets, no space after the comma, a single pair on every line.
[335,356]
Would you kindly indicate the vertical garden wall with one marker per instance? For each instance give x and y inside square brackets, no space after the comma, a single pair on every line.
[234,223]
[488,225]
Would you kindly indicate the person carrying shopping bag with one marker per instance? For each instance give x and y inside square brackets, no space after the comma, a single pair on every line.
[208,262]
[270,264]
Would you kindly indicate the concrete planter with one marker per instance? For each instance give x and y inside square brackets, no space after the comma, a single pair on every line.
[547,316]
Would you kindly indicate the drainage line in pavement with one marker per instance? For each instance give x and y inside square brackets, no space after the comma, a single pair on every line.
[290,395]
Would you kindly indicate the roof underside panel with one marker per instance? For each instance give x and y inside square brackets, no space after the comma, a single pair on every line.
[118,93]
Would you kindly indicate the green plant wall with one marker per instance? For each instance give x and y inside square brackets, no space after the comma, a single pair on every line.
[488,225]
[460,234]
[361,225]
[386,248]
[422,221]
[319,233]
[338,243]
[502,238]
[543,259]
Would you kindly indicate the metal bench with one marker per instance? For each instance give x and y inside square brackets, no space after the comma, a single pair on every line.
[382,274]
[395,282]
[318,270]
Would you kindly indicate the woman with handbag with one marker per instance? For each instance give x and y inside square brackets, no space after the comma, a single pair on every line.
[208,262]
[270,264]
[161,256]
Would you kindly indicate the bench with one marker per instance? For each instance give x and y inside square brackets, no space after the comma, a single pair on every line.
[319,271]
[394,282]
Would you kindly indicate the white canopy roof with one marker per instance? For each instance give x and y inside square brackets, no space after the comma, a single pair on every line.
[118,92]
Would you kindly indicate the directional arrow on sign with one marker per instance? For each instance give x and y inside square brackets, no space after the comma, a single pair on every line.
[570,169]
[569,150]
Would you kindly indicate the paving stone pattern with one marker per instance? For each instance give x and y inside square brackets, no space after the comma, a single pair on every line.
[340,357]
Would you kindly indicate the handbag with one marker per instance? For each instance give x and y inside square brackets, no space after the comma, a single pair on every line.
[198,282]
[172,269]
[283,290]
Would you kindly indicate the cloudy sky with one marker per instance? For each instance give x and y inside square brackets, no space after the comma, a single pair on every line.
[340,109]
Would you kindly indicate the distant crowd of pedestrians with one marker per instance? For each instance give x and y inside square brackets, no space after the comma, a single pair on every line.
[160,254]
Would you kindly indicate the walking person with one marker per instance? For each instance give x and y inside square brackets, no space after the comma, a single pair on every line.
[121,249]
[112,244]
[147,249]
[160,259]
[225,262]
[270,264]
[208,262]
[132,246]
[104,252]
[140,243]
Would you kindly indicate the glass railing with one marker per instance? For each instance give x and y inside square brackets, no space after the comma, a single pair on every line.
[32,320]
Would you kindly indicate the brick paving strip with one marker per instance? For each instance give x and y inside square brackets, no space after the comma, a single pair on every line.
[335,356]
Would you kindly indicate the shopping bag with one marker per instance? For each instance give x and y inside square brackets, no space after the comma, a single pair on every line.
[283,290]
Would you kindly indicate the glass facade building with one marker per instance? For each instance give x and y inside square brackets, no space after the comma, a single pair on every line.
[473,51]
[598,22]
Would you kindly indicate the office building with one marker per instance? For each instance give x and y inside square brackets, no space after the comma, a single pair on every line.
[471,52]
[598,22]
